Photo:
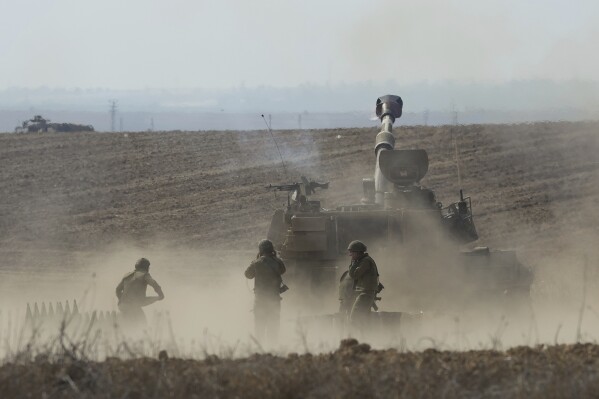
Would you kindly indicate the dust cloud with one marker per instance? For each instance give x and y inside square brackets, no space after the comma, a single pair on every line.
[208,304]
[207,307]
[541,203]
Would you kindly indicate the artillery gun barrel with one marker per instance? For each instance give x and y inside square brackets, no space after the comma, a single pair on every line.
[388,108]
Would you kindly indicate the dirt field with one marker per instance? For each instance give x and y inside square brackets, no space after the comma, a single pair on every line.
[534,186]
[78,192]
[78,209]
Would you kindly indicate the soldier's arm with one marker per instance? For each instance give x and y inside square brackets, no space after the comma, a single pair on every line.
[250,272]
[154,284]
[361,268]
[120,288]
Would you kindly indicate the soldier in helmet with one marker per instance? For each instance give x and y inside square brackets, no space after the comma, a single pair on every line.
[364,276]
[131,293]
[266,271]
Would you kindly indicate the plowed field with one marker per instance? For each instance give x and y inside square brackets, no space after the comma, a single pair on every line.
[529,182]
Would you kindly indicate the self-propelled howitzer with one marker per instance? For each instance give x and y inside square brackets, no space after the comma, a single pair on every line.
[412,235]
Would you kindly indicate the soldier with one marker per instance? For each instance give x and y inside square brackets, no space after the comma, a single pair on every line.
[365,276]
[131,293]
[266,270]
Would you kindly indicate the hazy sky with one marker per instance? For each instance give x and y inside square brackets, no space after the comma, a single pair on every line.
[131,44]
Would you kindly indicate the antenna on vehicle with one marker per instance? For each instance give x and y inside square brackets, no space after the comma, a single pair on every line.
[454,115]
[457,157]
[276,144]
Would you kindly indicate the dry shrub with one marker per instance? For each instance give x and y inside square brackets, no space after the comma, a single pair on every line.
[353,371]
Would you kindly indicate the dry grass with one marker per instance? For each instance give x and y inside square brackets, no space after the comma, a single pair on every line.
[352,371]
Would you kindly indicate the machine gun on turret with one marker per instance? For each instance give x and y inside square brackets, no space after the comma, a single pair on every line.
[297,198]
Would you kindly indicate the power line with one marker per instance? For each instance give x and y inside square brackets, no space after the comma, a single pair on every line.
[113,111]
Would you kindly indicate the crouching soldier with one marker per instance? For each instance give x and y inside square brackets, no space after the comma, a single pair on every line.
[365,279]
[131,293]
[266,271]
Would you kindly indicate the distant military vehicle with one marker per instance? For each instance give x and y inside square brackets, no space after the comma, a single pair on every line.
[417,242]
[38,124]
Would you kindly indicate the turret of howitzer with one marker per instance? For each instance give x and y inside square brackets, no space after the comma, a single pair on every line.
[397,175]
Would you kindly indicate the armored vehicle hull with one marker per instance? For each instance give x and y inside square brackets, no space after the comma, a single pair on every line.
[41,125]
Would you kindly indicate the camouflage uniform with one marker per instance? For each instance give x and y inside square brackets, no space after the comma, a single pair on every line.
[131,293]
[365,276]
[267,271]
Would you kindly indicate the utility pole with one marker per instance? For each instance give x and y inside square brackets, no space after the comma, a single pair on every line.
[151,124]
[454,114]
[113,110]
[425,117]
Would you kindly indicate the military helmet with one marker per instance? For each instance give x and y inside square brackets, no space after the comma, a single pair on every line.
[142,264]
[265,247]
[356,246]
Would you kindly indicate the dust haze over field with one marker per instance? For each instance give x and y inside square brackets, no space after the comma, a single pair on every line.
[79,209]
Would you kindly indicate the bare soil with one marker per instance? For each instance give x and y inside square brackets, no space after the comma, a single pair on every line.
[353,371]
[80,191]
